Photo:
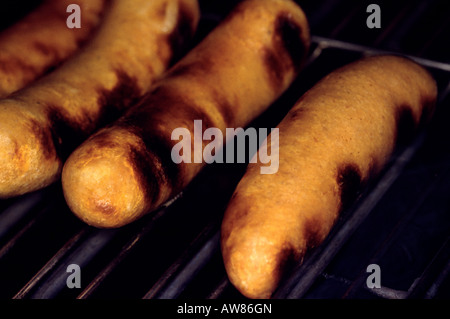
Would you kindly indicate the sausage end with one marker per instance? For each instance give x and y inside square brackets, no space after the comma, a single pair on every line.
[100,184]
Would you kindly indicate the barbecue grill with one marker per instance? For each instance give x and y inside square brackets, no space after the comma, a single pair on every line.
[400,222]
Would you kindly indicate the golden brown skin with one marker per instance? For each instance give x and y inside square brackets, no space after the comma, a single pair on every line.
[337,135]
[42,124]
[233,75]
[42,40]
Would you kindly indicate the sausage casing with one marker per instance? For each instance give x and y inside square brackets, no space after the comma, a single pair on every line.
[42,124]
[232,76]
[42,40]
[340,133]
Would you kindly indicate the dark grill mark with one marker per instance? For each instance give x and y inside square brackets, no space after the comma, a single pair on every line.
[165,105]
[200,70]
[428,110]
[287,51]
[66,133]
[103,139]
[374,168]
[149,177]
[152,163]
[161,148]
[46,50]
[286,261]
[291,39]
[92,25]
[406,125]
[153,120]
[350,183]
[45,139]
[225,108]
[15,65]
[49,51]
[277,67]
[312,231]
[183,33]
[113,102]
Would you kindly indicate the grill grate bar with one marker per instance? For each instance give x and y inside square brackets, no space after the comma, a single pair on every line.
[366,50]
[388,293]
[402,24]
[393,236]
[19,210]
[220,288]
[437,271]
[34,282]
[129,246]
[82,254]
[177,277]
[434,288]
[13,241]
[427,285]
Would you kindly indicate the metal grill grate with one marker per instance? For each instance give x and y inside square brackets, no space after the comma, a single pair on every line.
[401,222]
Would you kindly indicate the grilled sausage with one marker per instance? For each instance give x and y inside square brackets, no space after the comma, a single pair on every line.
[234,74]
[340,133]
[42,40]
[42,124]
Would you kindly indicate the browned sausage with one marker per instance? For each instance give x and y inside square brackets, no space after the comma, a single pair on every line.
[337,135]
[42,124]
[232,76]
[42,40]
